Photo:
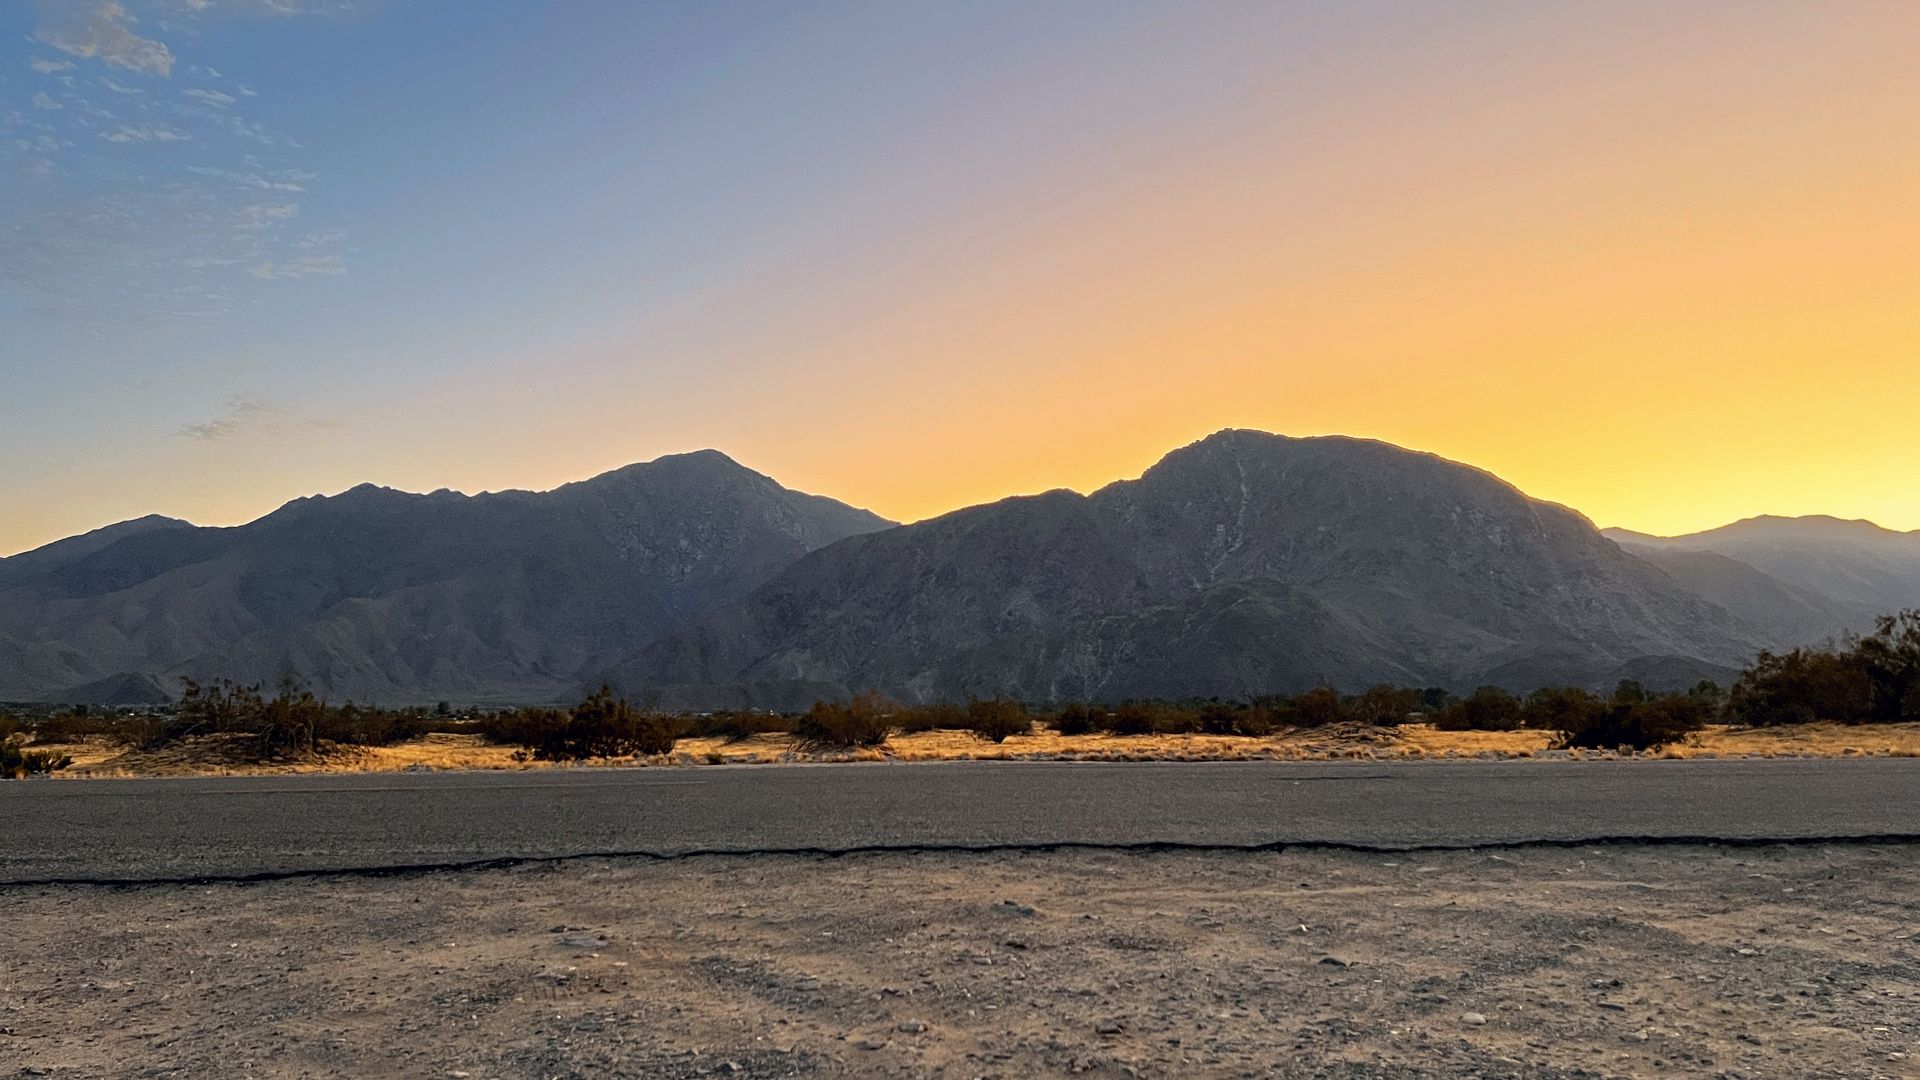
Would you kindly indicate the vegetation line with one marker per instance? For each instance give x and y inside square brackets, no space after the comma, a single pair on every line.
[1873,679]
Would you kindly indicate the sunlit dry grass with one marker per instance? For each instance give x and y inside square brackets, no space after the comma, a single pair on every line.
[439,751]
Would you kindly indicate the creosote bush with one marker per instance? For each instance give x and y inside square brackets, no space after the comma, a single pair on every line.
[1639,725]
[939,716]
[1487,709]
[1074,718]
[864,721]
[18,763]
[998,719]
[735,726]
[602,726]
[1132,718]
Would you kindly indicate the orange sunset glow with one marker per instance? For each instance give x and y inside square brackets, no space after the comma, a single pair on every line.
[1659,264]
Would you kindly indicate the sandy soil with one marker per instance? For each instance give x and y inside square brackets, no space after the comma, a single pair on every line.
[1537,963]
[99,758]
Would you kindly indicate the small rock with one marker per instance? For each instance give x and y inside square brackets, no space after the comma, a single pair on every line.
[1472,1019]
[727,1068]
[1014,907]
[1109,1027]
[1334,961]
[911,1027]
[1613,1005]
[806,984]
[872,1044]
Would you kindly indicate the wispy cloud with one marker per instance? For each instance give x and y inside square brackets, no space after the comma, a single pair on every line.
[102,30]
[264,215]
[134,204]
[129,133]
[289,180]
[209,97]
[244,415]
[304,266]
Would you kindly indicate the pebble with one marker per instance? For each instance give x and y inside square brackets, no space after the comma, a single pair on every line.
[911,1027]
[1109,1027]
[1473,1019]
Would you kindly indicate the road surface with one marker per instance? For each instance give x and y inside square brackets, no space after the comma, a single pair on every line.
[89,830]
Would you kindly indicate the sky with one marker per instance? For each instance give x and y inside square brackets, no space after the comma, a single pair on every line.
[1659,262]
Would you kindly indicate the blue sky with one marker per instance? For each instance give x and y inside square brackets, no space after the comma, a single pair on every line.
[246,238]
[915,255]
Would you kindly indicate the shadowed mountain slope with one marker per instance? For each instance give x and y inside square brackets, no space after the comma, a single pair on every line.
[381,595]
[1246,563]
[1825,575]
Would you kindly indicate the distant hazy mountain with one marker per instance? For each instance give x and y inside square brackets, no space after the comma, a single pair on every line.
[1243,564]
[1800,579]
[385,596]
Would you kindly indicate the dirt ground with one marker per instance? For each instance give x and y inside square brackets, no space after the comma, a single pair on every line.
[202,757]
[1539,963]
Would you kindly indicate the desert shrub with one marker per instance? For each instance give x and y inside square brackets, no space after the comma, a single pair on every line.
[358,726]
[864,721]
[1384,706]
[1710,692]
[1218,719]
[290,720]
[1640,725]
[522,727]
[216,708]
[1801,687]
[1890,656]
[18,763]
[735,726]
[1559,708]
[1175,720]
[1132,718]
[70,726]
[996,719]
[1631,692]
[939,716]
[1317,707]
[1256,721]
[602,726]
[1487,709]
[1074,718]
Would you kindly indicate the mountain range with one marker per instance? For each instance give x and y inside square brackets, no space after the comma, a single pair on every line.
[1246,563]
[380,595]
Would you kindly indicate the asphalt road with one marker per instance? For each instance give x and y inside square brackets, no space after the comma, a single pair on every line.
[241,826]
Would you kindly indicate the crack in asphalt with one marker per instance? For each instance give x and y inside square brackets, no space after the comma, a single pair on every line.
[508,862]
